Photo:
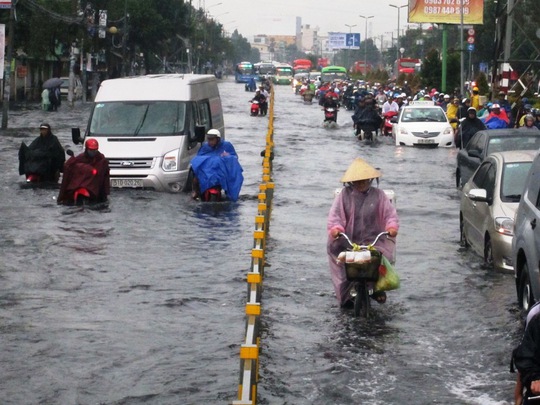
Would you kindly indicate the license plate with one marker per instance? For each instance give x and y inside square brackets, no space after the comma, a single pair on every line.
[426,141]
[133,183]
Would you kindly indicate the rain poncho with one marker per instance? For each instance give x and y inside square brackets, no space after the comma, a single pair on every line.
[44,156]
[87,172]
[497,121]
[361,216]
[218,166]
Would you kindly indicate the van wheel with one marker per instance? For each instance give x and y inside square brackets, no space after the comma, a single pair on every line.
[525,295]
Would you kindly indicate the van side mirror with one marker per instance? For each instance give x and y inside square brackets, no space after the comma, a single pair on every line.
[76,136]
[200,133]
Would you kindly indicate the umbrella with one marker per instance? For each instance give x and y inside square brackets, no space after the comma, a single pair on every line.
[52,83]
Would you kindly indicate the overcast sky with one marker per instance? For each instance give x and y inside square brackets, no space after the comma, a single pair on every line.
[278,17]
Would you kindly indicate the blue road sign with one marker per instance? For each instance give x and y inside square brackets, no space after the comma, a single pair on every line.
[352,40]
[470,47]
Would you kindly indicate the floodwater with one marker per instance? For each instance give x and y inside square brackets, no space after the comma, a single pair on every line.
[144,303]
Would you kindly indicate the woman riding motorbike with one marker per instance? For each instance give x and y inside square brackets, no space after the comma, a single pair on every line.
[362,212]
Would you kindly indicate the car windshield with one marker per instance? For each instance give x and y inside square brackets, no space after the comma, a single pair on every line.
[513,180]
[504,143]
[157,118]
[423,115]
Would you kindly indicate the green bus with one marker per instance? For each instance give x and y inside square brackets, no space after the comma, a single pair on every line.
[331,73]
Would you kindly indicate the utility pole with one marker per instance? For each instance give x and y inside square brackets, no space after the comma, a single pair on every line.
[7,65]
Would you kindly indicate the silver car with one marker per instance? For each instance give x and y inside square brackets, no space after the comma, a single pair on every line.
[488,205]
[526,242]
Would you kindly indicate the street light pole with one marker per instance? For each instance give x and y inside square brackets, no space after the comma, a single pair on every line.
[397,44]
[349,45]
[365,43]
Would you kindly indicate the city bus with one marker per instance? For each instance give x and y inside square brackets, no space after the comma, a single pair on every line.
[284,74]
[331,73]
[407,66]
[244,72]
[302,65]
[265,69]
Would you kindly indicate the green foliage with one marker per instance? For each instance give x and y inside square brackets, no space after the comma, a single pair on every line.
[482,84]
[162,31]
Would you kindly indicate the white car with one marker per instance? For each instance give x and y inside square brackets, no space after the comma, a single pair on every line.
[77,87]
[422,123]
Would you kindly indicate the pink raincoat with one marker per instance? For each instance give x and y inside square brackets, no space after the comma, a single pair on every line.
[361,216]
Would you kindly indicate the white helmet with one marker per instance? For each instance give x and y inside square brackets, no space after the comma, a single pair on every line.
[214,132]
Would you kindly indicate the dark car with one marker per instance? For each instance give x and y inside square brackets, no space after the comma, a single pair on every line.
[489,141]
[526,242]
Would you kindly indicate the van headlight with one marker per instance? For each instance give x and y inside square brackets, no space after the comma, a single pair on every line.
[170,161]
[504,226]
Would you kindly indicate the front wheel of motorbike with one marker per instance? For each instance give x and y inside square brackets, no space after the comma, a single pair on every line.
[361,301]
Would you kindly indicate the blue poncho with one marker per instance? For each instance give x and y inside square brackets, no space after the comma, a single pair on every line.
[218,166]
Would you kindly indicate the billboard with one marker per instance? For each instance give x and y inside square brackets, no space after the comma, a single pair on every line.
[341,40]
[446,11]
[5,3]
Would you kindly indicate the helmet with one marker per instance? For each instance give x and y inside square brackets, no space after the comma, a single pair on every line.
[475,88]
[213,132]
[529,117]
[527,107]
[495,105]
[91,144]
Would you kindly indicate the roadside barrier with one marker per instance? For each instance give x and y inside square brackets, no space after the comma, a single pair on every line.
[249,350]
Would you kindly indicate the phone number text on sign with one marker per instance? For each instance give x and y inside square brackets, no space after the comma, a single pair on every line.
[445,10]
[446,2]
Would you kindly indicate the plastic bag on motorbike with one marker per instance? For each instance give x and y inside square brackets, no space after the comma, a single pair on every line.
[388,278]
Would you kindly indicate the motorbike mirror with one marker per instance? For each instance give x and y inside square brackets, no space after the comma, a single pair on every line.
[200,132]
[70,152]
[76,136]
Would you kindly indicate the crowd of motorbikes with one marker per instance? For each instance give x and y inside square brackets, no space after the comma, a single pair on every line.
[364,100]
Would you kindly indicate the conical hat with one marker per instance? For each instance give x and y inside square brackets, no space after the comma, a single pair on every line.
[359,170]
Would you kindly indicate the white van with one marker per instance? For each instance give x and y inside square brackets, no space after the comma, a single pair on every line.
[150,127]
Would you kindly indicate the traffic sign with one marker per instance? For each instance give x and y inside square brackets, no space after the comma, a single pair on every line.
[470,40]
[470,31]
[352,40]
[470,47]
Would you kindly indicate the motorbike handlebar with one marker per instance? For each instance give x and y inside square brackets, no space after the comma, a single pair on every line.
[364,246]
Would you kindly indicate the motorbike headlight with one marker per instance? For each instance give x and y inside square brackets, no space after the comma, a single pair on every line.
[504,226]
[170,161]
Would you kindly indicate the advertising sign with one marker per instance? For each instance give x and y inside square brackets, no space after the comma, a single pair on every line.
[341,40]
[5,3]
[446,11]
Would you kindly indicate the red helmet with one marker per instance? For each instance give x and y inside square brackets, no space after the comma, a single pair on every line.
[92,144]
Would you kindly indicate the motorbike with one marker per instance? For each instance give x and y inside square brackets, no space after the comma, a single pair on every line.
[362,269]
[37,167]
[81,184]
[387,124]
[213,194]
[330,117]
[255,108]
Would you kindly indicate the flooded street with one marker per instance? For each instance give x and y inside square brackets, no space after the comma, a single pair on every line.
[144,303]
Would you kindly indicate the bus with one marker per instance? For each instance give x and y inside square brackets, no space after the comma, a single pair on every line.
[284,74]
[244,72]
[265,69]
[360,67]
[302,65]
[407,66]
[331,73]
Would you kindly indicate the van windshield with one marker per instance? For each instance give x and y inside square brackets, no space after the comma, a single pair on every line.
[121,118]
